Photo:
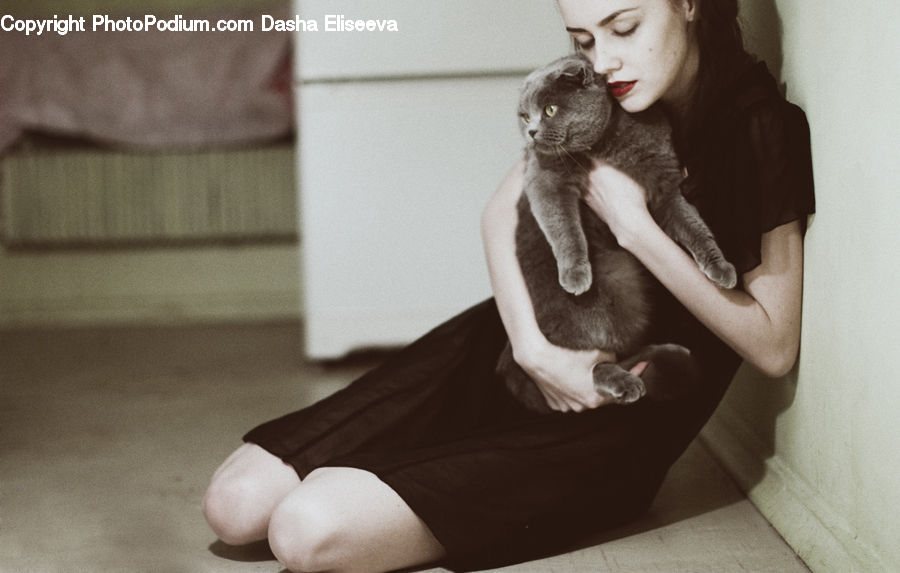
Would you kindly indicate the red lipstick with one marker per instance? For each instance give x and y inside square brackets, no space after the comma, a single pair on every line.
[619,89]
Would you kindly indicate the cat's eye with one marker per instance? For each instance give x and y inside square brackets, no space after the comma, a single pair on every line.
[525,117]
[551,110]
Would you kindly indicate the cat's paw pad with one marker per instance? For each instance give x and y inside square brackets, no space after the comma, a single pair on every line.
[576,279]
[624,387]
[722,273]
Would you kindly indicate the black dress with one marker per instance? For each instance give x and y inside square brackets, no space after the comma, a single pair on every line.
[498,484]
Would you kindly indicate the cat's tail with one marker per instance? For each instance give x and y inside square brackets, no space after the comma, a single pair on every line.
[671,372]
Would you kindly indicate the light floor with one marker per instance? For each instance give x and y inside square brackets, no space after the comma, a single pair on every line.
[108,438]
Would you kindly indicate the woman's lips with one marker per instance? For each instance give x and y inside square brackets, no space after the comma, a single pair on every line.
[619,89]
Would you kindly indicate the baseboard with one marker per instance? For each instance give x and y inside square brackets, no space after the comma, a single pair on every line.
[820,535]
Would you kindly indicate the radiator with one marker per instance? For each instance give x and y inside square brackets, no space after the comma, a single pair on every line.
[87,196]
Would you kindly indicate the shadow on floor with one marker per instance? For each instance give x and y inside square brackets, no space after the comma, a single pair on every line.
[695,485]
[251,553]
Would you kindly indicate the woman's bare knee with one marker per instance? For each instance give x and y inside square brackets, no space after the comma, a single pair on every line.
[243,493]
[230,515]
[345,519]
[305,536]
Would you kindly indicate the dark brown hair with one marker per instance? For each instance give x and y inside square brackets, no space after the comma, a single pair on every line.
[721,44]
[717,31]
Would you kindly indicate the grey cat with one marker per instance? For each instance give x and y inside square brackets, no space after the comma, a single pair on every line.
[587,292]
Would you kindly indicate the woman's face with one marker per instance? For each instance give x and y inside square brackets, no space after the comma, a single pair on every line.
[645,48]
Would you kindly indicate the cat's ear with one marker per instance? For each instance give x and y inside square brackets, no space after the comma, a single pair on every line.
[577,69]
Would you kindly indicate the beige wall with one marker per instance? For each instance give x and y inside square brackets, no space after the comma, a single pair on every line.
[818,450]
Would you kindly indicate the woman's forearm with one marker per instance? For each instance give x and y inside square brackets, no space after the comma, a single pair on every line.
[498,227]
[762,322]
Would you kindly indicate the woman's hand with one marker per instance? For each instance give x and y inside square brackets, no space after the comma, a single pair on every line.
[617,199]
[565,377]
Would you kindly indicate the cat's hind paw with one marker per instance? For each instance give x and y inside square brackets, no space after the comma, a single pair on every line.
[623,386]
[576,279]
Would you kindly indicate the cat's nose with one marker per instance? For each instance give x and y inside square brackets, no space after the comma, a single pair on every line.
[532,133]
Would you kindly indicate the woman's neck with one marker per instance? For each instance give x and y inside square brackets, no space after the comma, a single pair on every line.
[681,96]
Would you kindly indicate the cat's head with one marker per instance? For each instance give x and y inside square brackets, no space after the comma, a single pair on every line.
[564,105]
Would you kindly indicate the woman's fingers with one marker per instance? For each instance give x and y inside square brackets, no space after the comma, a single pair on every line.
[566,380]
[581,398]
[552,399]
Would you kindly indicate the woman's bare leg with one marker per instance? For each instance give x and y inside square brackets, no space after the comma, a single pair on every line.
[346,519]
[243,493]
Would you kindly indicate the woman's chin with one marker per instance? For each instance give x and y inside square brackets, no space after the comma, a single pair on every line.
[633,103]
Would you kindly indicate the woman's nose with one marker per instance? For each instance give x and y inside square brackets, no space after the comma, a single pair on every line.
[605,63]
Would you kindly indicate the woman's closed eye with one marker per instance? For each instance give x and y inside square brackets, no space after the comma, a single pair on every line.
[582,40]
[617,29]
[625,29]
[584,45]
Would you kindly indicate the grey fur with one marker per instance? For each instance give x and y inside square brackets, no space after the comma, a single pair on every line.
[587,292]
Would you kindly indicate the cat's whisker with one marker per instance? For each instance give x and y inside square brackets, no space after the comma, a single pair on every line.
[572,157]
[559,149]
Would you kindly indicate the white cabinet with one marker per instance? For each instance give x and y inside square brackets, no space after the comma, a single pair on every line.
[403,137]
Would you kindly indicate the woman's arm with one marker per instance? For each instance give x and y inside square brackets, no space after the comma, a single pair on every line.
[761,323]
[564,376]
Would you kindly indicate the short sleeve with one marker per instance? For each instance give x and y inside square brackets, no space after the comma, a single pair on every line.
[774,180]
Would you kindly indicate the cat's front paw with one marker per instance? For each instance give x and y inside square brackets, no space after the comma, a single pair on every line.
[576,279]
[722,273]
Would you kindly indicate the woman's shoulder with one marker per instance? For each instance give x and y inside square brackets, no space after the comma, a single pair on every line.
[758,108]
[751,86]
[747,109]
[758,164]
[753,123]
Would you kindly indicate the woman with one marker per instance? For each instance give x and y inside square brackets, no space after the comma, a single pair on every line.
[428,459]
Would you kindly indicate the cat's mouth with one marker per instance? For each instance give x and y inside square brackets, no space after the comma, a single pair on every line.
[545,147]
[557,147]
[545,140]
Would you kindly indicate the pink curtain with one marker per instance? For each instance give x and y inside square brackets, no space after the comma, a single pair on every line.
[151,88]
